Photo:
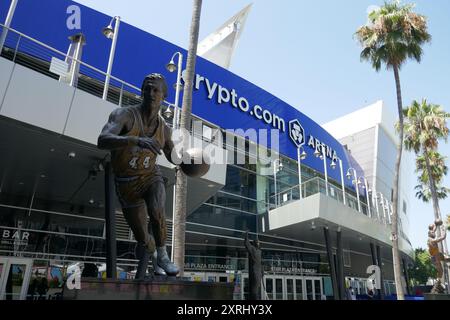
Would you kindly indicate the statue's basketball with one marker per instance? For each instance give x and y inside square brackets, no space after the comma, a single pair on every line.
[197,165]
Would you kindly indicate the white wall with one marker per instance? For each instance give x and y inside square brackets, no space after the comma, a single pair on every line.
[371,137]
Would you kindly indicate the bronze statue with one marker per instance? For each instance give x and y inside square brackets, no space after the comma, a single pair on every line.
[255,271]
[135,135]
[437,257]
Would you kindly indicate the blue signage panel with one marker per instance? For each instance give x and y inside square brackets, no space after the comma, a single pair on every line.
[220,96]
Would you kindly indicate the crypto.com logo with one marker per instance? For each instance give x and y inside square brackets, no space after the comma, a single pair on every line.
[74,280]
[374,280]
[296,132]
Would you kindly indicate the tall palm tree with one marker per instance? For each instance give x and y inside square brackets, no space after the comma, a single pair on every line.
[423,192]
[179,225]
[393,34]
[425,124]
[438,171]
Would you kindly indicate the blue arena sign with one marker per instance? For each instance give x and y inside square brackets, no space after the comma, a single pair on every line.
[220,96]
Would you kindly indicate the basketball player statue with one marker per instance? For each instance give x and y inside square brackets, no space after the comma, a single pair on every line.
[437,257]
[255,270]
[135,135]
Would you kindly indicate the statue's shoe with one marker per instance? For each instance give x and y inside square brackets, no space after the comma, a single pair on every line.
[156,268]
[168,266]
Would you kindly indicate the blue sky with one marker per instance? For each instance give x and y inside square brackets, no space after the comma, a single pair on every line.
[304,52]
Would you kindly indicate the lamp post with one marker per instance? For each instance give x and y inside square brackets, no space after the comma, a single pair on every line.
[171,67]
[301,155]
[8,20]
[390,210]
[113,34]
[317,153]
[355,182]
[333,166]
[379,195]
[366,187]
[277,165]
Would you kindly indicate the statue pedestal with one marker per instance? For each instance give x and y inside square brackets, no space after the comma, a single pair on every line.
[159,288]
[436,296]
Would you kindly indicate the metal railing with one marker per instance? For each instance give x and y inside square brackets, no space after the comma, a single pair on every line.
[318,185]
[36,55]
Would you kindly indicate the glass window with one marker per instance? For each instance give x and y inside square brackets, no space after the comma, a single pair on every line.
[299,289]
[222,217]
[14,281]
[279,289]
[317,290]
[309,289]
[233,201]
[269,288]
[290,289]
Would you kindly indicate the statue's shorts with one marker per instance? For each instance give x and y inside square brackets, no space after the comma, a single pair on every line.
[143,199]
[131,190]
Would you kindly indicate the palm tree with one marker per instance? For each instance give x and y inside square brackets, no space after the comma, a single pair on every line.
[423,192]
[179,225]
[425,124]
[393,34]
[438,171]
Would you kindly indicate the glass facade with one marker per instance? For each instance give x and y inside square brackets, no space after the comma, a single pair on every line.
[57,232]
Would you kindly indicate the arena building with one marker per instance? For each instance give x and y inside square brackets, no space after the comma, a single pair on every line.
[315,200]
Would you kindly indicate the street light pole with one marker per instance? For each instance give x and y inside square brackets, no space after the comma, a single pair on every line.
[379,195]
[8,20]
[355,182]
[301,155]
[110,34]
[171,67]
[390,209]
[325,171]
[276,165]
[275,182]
[366,187]
[333,166]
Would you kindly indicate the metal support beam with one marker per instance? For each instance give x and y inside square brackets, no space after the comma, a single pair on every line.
[340,265]
[110,224]
[326,233]
[380,264]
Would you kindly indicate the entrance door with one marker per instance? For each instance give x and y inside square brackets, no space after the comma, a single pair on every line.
[274,287]
[313,288]
[290,288]
[299,289]
[294,288]
[14,278]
